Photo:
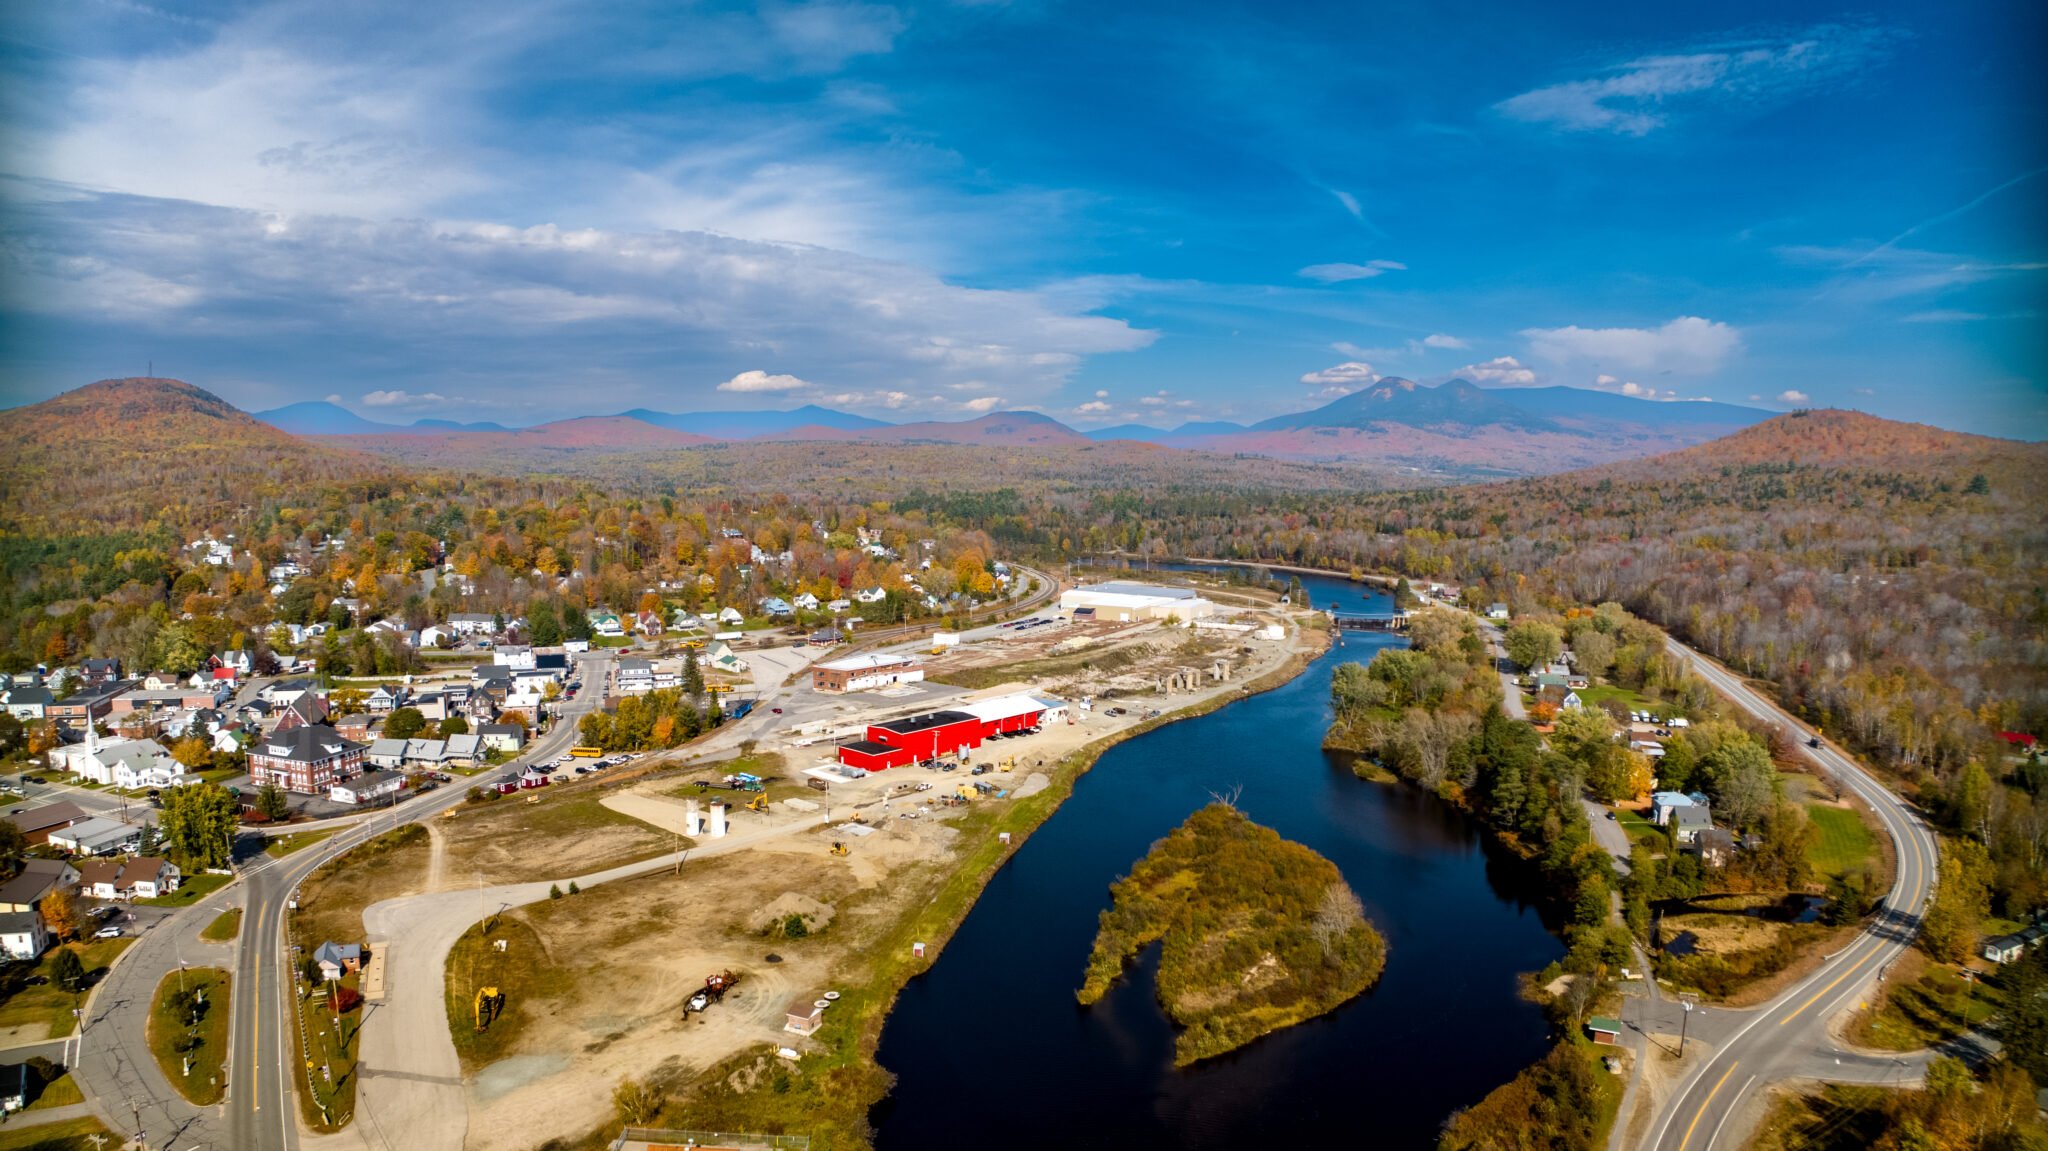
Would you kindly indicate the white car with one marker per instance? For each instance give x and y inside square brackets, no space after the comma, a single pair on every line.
[108,932]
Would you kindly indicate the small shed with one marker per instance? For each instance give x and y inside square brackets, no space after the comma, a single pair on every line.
[338,959]
[1604,1029]
[804,1017]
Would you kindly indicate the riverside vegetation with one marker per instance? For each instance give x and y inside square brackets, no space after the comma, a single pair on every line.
[1259,933]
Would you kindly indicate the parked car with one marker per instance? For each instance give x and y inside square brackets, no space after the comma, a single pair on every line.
[108,932]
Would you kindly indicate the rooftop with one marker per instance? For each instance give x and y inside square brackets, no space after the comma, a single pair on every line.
[925,722]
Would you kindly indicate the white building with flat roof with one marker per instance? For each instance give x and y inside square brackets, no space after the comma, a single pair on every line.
[866,673]
[1121,602]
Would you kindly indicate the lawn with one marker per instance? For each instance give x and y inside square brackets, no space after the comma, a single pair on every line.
[52,1005]
[224,927]
[191,890]
[327,1093]
[475,963]
[332,899]
[58,1092]
[189,1037]
[510,840]
[1915,1013]
[1641,830]
[291,841]
[69,1135]
[1629,700]
[1844,844]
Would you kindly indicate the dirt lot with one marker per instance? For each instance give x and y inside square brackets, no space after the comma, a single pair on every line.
[547,1068]
[332,899]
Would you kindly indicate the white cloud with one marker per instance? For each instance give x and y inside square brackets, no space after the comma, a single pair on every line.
[396,398]
[1503,370]
[1092,408]
[1440,340]
[1790,396]
[1338,273]
[1687,344]
[1101,395]
[1348,376]
[760,381]
[1944,316]
[540,305]
[1635,97]
[983,404]
[1603,380]
[333,397]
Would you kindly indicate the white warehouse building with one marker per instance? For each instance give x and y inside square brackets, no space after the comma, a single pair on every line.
[1120,602]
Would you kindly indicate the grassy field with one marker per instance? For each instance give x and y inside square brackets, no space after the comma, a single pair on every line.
[191,889]
[1844,844]
[52,1005]
[475,963]
[59,1092]
[283,845]
[173,1037]
[69,1135]
[225,926]
[1630,700]
[331,1102]
[1641,830]
[1924,1003]
[1836,1119]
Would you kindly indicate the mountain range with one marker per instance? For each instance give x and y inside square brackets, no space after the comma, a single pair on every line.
[1455,427]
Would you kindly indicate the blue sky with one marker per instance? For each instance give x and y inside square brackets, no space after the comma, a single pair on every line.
[1106,212]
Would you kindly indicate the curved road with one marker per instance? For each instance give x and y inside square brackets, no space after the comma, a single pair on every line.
[1788,1038]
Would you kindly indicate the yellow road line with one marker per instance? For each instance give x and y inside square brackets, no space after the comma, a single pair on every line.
[1830,987]
[1704,1104]
[256,1037]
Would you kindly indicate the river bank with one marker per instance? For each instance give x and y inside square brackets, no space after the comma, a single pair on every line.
[833,1091]
[999,1012]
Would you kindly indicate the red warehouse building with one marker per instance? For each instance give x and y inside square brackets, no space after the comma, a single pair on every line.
[897,742]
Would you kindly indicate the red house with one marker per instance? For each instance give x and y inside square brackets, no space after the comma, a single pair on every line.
[897,742]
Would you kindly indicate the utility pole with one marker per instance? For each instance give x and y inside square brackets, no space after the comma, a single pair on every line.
[1682,1020]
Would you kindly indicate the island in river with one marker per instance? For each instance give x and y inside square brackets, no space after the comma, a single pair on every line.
[1259,933]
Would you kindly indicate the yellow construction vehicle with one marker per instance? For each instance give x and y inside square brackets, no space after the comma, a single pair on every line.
[758,803]
[1009,764]
[841,849]
[489,1004]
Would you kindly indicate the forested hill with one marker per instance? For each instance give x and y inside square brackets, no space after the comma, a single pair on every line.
[143,453]
[1890,577]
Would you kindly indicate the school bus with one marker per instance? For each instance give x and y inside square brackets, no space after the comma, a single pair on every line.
[719,688]
[586,752]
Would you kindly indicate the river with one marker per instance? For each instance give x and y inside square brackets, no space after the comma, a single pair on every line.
[991,1051]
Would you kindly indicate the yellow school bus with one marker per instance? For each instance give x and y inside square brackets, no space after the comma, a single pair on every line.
[586,752]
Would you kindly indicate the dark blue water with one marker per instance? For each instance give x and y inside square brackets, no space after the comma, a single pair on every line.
[991,1051]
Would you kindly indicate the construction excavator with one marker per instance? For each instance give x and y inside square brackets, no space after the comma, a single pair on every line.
[841,849]
[758,803]
[489,1004]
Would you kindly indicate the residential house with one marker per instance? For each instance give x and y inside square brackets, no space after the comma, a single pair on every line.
[486,674]
[387,753]
[805,602]
[98,672]
[719,657]
[22,937]
[147,877]
[338,959]
[35,882]
[505,737]
[369,787]
[1690,822]
[2007,948]
[308,760]
[473,623]
[99,878]
[839,605]
[355,726]
[438,635]
[37,823]
[516,656]
[1664,803]
[606,624]
[1496,611]
[731,615]
[648,623]
[129,776]
[1716,846]
[463,750]
[28,704]
[428,753]
[870,595]
[285,691]
[635,676]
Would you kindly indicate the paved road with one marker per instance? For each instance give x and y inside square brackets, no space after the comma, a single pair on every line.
[261,1108]
[1788,1037]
